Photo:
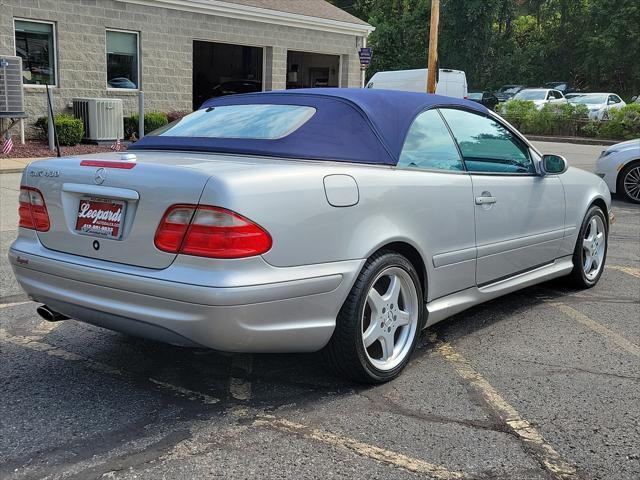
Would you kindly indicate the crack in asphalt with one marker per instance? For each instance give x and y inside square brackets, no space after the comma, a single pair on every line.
[83,449]
[530,440]
[384,403]
[127,460]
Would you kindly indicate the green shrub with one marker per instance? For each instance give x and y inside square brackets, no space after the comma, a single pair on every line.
[152,121]
[541,122]
[623,124]
[552,119]
[70,130]
[518,112]
[591,128]
[42,128]
[564,119]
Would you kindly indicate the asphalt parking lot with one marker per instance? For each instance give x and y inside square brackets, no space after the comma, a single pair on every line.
[540,384]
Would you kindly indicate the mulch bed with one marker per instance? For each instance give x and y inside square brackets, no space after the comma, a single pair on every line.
[36,148]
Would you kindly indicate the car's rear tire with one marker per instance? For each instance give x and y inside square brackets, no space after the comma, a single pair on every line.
[380,321]
[629,182]
[590,253]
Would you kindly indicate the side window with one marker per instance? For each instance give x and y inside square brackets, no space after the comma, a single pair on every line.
[487,145]
[122,59]
[36,45]
[557,94]
[429,145]
[614,99]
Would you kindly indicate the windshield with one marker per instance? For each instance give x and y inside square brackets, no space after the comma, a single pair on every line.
[264,122]
[557,85]
[531,95]
[588,99]
[475,95]
[509,89]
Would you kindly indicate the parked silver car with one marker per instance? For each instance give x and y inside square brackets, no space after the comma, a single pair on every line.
[619,166]
[337,219]
[598,104]
[540,96]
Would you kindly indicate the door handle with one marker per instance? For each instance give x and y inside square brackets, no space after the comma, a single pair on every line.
[485,200]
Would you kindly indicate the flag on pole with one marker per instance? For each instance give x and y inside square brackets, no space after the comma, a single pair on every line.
[7,145]
[116,146]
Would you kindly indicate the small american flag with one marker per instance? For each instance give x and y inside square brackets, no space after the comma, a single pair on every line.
[7,145]
[116,146]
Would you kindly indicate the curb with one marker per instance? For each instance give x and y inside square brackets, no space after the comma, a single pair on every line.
[576,140]
[18,169]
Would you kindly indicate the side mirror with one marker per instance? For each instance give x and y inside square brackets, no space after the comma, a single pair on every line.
[554,164]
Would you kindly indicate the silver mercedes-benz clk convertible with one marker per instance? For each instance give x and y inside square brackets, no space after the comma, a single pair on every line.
[341,220]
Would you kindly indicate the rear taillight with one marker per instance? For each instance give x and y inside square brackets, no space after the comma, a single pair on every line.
[214,232]
[32,210]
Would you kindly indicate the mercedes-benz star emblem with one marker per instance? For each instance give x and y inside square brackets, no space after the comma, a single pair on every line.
[100,176]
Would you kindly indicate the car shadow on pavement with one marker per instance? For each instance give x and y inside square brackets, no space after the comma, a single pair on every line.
[270,381]
[262,381]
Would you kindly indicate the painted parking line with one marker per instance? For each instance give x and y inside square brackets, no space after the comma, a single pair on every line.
[12,304]
[242,391]
[610,335]
[547,455]
[383,455]
[36,344]
[629,270]
[46,327]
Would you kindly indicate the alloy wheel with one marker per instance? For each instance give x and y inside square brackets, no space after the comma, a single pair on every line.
[594,247]
[631,183]
[390,318]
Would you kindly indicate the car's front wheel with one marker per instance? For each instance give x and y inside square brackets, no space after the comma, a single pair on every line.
[629,182]
[590,251]
[378,325]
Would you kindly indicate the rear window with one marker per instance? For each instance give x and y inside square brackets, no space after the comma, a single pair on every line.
[261,122]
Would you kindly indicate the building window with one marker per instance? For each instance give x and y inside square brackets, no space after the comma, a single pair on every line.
[35,44]
[122,59]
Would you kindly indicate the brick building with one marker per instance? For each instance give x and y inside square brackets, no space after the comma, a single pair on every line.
[179,52]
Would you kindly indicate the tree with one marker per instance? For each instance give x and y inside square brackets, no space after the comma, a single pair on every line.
[590,43]
[400,39]
[612,43]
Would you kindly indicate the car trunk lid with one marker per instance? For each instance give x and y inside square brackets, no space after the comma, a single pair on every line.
[109,206]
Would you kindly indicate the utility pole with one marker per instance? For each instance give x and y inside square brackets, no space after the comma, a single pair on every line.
[433,46]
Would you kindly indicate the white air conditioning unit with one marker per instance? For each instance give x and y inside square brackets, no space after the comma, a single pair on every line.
[11,99]
[102,117]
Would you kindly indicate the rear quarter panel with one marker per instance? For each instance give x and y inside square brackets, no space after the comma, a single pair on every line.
[433,212]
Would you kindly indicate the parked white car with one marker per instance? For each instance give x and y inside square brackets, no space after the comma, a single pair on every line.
[451,83]
[597,103]
[540,96]
[619,167]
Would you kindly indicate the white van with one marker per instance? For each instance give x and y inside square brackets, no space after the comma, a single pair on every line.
[452,83]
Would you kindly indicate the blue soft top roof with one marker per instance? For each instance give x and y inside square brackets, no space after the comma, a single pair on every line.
[351,125]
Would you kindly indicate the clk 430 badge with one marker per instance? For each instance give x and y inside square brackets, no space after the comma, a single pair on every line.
[44,173]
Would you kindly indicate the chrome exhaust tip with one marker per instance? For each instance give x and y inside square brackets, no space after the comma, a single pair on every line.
[50,315]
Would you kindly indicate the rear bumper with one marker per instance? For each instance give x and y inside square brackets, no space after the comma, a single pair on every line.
[295,312]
